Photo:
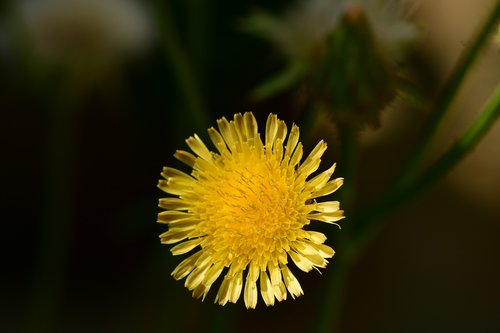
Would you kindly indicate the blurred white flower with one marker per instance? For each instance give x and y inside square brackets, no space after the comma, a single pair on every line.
[88,30]
[305,28]
[390,25]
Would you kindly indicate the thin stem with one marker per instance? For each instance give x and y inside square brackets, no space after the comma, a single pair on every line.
[448,94]
[400,192]
[181,66]
[463,146]
[443,165]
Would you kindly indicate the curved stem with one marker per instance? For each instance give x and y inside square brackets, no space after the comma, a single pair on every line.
[463,146]
[443,165]
[448,94]
[403,189]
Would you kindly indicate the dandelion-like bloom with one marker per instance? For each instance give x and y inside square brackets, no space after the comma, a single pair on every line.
[244,208]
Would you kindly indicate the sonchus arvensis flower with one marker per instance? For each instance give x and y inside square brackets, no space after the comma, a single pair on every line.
[244,210]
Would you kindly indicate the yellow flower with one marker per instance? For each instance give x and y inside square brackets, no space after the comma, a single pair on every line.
[245,208]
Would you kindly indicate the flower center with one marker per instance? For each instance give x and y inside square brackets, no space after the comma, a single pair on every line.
[249,209]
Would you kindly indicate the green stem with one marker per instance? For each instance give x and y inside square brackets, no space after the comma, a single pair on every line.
[463,146]
[278,83]
[443,165]
[448,94]
[181,67]
[401,192]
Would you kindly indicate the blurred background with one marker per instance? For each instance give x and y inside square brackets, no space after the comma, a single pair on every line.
[95,98]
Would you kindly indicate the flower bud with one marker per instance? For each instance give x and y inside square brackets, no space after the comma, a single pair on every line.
[355,79]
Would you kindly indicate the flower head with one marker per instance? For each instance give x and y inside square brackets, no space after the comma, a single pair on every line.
[244,209]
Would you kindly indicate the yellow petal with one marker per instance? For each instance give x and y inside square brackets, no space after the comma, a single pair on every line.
[328,206]
[241,130]
[174,173]
[186,266]
[199,148]
[292,141]
[174,204]
[250,294]
[300,261]
[227,134]
[278,149]
[185,157]
[218,141]
[253,272]
[235,287]
[280,133]
[291,282]
[223,294]
[266,289]
[329,188]
[297,156]
[186,246]
[173,187]
[173,216]
[173,236]
[271,130]
[320,180]
[250,125]
[213,273]
[323,250]
[311,163]
[196,277]
[279,291]
[327,217]
[200,291]
[316,236]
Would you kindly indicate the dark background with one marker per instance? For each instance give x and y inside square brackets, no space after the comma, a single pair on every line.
[434,268]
